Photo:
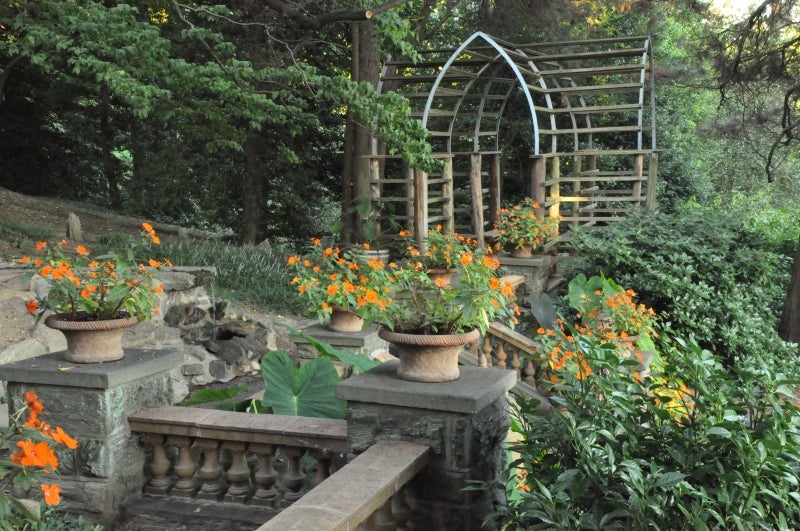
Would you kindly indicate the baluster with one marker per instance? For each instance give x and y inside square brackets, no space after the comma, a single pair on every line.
[265,475]
[472,348]
[210,471]
[485,352]
[185,467]
[400,509]
[159,465]
[238,473]
[500,354]
[384,520]
[529,373]
[515,363]
[323,460]
[293,479]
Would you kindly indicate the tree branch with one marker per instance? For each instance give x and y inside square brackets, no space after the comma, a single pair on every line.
[337,15]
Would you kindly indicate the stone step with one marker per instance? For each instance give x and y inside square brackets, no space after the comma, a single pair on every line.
[156,513]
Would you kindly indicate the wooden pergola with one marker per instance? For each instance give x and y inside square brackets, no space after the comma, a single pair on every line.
[591,107]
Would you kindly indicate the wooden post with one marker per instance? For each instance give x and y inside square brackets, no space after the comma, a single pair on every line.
[375,190]
[476,189]
[538,174]
[410,195]
[494,189]
[448,204]
[638,167]
[652,186]
[420,207]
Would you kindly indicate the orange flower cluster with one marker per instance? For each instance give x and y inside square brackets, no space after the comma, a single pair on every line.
[442,251]
[329,278]
[520,226]
[33,454]
[102,288]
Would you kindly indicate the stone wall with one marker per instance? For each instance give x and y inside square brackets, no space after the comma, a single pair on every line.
[218,342]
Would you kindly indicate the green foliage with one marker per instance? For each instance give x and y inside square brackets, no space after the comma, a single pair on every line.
[249,274]
[306,391]
[206,396]
[706,274]
[50,519]
[706,449]
[359,362]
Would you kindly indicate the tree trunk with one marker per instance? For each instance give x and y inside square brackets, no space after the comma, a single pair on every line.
[252,189]
[107,148]
[365,67]
[789,327]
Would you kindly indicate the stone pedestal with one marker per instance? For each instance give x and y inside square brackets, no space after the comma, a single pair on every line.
[364,342]
[465,422]
[536,271]
[92,402]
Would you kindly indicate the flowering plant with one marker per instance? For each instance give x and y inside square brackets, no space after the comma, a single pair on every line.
[442,250]
[604,305]
[418,304]
[107,286]
[520,226]
[34,454]
[328,278]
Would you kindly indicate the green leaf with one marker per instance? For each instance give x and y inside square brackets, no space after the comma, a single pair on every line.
[205,396]
[360,362]
[719,431]
[307,391]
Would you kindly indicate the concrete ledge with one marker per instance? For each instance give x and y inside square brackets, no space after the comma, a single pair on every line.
[475,389]
[351,495]
[53,369]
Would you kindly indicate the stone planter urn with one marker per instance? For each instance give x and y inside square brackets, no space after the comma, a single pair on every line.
[343,320]
[92,341]
[428,357]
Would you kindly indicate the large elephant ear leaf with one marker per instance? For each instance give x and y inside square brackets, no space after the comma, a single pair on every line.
[306,391]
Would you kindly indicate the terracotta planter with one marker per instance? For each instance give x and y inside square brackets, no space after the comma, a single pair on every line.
[92,341]
[345,321]
[446,275]
[526,251]
[428,358]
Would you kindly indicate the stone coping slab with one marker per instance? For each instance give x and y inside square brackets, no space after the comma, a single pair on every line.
[476,388]
[53,369]
[284,430]
[367,336]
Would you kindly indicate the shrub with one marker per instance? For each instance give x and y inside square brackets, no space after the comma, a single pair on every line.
[696,448]
[707,275]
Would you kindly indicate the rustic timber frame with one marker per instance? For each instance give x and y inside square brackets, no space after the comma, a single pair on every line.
[592,131]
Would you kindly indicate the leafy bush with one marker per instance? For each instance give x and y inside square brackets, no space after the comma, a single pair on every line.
[698,448]
[707,275]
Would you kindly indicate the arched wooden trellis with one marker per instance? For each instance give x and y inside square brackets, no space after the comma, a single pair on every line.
[591,106]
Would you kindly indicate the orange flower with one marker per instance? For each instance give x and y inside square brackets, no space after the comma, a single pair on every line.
[52,494]
[32,306]
[24,259]
[466,259]
[81,250]
[154,263]
[61,437]
[40,245]
[35,454]
[33,403]
[333,289]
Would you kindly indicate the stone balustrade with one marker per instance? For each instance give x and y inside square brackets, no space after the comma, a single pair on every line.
[368,493]
[236,457]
